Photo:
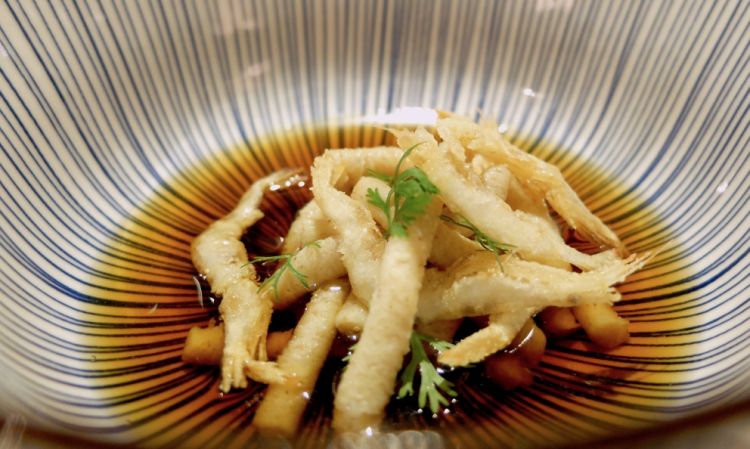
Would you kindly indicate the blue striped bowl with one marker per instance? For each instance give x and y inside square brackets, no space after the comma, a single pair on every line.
[105,106]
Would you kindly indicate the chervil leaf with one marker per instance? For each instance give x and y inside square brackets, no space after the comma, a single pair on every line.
[432,386]
[407,379]
[397,230]
[381,176]
[286,259]
[480,237]
[411,193]
[413,201]
[437,345]
[374,198]
[420,178]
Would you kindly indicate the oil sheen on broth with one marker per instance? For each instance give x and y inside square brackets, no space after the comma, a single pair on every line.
[147,296]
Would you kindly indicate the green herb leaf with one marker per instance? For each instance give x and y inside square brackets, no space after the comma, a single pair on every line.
[381,176]
[286,264]
[480,237]
[411,193]
[437,345]
[433,387]
[374,198]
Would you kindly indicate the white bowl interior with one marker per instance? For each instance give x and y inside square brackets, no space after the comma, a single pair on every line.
[103,105]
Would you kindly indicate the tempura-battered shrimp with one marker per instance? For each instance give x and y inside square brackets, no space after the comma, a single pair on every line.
[309,225]
[219,254]
[498,334]
[479,285]
[318,262]
[486,140]
[464,194]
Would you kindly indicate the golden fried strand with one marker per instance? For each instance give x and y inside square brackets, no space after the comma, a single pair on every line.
[540,175]
[369,380]
[219,254]
[482,285]
[464,194]
[448,246]
[283,404]
[351,318]
[498,334]
[204,345]
[486,248]
[319,262]
[360,242]
[309,225]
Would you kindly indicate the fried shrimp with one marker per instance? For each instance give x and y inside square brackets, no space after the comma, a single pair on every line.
[500,331]
[464,193]
[482,285]
[541,176]
[219,255]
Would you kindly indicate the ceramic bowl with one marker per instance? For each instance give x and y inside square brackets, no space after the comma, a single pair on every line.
[127,127]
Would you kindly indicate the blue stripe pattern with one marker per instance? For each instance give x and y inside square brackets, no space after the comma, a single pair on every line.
[109,111]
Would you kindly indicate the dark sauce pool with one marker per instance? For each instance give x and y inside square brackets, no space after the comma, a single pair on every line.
[152,299]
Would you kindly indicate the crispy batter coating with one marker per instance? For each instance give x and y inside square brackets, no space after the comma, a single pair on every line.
[370,378]
[360,242]
[541,176]
[283,405]
[482,285]
[487,248]
[219,254]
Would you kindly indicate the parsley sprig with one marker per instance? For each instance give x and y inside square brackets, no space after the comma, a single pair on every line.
[286,264]
[485,241]
[411,192]
[432,386]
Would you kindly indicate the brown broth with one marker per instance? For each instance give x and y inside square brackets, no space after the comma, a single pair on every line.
[153,299]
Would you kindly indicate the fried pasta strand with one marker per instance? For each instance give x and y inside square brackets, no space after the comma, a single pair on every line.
[309,225]
[448,245]
[351,318]
[318,262]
